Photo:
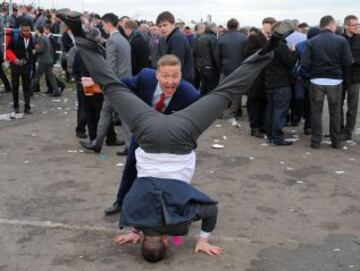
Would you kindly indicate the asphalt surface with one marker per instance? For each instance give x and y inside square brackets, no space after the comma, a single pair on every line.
[280,208]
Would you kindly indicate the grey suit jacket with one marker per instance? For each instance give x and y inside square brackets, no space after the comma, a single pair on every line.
[44,51]
[118,54]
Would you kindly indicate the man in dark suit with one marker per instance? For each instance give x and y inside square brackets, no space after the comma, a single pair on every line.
[20,55]
[176,43]
[139,47]
[256,103]
[150,86]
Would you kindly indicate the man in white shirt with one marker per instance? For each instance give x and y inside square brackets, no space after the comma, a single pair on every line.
[164,202]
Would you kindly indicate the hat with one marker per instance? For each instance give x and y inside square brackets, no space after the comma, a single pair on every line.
[179,21]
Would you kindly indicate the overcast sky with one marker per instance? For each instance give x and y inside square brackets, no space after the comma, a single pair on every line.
[249,12]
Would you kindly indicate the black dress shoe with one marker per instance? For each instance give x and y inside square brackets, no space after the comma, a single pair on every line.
[115,143]
[122,153]
[282,143]
[90,147]
[256,133]
[336,145]
[27,112]
[56,94]
[346,137]
[114,209]
[315,145]
[307,131]
[17,110]
[81,135]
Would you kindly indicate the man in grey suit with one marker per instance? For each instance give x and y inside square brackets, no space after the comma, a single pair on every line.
[45,60]
[118,55]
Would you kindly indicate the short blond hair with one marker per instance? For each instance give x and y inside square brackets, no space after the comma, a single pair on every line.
[168,60]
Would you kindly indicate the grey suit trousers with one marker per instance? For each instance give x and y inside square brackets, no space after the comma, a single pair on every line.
[105,120]
[176,133]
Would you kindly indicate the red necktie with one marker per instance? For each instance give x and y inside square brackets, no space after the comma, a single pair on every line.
[161,103]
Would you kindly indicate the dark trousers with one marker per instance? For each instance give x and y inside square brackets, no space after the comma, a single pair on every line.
[317,94]
[129,174]
[209,80]
[301,98]
[278,102]
[197,78]
[257,113]
[46,69]
[92,109]
[352,95]
[4,78]
[26,81]
[60,84]
[81,120]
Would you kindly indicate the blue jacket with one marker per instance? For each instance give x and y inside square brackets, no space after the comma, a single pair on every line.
[327,55]
[144,85]
[154,202]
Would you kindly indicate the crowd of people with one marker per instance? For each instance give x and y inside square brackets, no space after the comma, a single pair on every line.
[170,67]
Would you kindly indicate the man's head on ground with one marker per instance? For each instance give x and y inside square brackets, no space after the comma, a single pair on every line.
[351,25]
[153,248]
[129,27]
[328,23]
[267,25]
[233,25]
[168,74]
[166,22]
[109,21]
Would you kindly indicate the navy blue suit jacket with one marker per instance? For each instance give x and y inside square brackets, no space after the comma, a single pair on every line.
[144,85]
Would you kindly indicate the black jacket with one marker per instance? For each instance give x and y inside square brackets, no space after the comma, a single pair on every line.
[177,44]
[231,51]
[327,55]
[353,73]
[139,53]
[207,52]
[278,73]
[17,47]
[255,43]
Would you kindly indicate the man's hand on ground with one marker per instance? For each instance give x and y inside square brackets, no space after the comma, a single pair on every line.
[203,246]
[127,238]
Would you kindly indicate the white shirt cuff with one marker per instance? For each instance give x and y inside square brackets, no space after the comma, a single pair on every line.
[204,234]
